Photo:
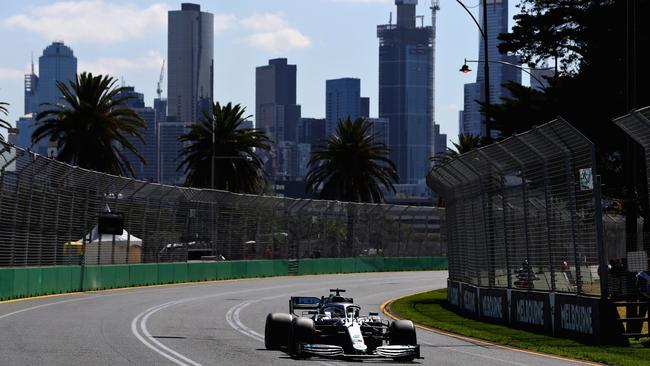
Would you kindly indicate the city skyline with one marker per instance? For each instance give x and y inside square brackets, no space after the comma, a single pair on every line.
[290,31]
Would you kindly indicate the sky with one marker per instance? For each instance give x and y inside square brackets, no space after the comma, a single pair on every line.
[327,39]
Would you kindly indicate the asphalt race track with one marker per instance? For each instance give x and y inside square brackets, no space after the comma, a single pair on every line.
[214,323]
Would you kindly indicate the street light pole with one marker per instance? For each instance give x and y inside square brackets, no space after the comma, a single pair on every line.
[465,69]
[488,102]
[214,142]
[486,82]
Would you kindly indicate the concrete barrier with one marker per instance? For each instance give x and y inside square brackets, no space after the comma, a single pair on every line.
[20,282]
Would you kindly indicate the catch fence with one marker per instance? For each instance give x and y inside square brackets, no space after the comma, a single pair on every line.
[636,124]
[524,213]
[49,216]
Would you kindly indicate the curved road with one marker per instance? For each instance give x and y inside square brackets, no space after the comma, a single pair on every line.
[214,323]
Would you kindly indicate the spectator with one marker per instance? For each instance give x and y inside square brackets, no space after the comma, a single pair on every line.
[525,276]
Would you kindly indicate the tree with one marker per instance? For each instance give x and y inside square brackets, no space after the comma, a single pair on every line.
[3,123]
[91,125]
[237,166]
[466,143]
[598,46]
[351,165]
[597,80]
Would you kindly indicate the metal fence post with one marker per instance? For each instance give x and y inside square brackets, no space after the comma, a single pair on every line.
[399,230]
[369,221]
[525,203]
[488,222]
[568,167]
[547,203]
[467,199]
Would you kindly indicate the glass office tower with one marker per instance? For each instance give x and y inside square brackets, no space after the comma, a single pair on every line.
[406,91]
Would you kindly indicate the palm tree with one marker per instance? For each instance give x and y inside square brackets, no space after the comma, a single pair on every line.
[466,143]
[351,165]
[218,142]
[92,125]
[4,124]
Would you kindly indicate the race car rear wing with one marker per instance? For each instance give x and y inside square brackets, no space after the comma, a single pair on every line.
[303,303]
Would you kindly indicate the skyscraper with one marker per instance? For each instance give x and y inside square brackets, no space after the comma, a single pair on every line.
[160,106]
[277,113]
[497,19]
[342,101]
[380,129]
[31,88]
[26,127]
[168,152]
[149,149]
[311,131]
[406,73]
[57,63]
[365,107]
[441,141]
[190,54]
[470,119]
[542,74]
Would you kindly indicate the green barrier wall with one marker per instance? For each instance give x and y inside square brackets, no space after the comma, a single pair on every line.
[37,281]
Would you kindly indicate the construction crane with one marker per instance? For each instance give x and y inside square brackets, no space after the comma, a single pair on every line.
[160,80]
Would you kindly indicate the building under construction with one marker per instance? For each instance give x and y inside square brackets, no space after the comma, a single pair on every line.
[406,89]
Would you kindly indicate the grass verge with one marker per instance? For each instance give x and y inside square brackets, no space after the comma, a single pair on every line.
[430,309]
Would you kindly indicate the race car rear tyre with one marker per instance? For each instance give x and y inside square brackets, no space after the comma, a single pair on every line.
[276,330]
[302,331]
[402,333]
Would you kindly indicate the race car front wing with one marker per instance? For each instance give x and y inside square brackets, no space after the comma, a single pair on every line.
[329,350]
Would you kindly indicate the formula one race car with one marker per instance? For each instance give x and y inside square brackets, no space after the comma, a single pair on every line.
[332,327]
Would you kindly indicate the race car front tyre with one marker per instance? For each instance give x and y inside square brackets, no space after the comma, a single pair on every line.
[276,331]
[402,333]
[302,331]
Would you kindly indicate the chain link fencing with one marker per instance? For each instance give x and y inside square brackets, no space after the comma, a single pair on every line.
[49,216]
[524,213]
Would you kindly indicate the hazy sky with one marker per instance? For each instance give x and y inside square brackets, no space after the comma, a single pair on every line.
[326,38]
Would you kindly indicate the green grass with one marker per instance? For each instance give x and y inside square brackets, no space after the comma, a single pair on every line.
[431,309]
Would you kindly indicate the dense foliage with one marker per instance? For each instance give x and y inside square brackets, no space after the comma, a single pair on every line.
[599,50]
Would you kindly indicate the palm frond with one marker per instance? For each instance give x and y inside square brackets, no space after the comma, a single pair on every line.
[92,125]
[4,124]
[351,165]
[237,166]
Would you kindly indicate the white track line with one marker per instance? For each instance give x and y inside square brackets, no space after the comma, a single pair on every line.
[139,323]
[139,329]
[57,303]
[232,317]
